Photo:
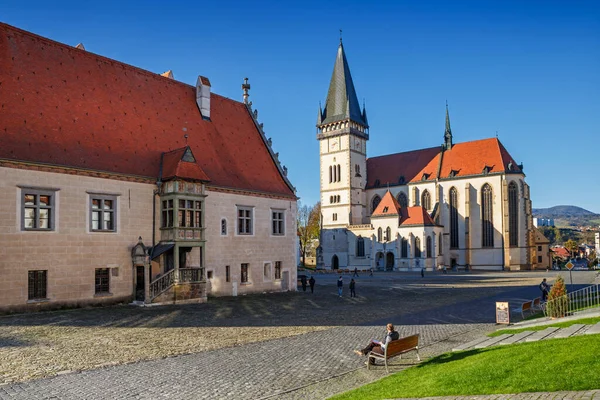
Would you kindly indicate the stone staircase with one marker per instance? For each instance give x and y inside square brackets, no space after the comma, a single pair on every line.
[530,336]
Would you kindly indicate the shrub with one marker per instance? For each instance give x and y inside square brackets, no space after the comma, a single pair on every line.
[558,302]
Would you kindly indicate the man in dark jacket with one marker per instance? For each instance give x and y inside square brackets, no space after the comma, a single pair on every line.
[378,347]
[303,282]
[311,282]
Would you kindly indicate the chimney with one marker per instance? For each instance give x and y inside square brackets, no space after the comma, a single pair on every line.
[80,46]
[168,74]
[203,96]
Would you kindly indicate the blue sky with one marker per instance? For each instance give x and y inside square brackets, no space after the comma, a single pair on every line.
[529,70]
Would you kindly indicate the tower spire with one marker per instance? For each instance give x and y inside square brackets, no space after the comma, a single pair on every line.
[448,132]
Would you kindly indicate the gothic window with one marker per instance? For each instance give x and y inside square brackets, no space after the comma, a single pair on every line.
[360,247]
[440,245]
[388,234]
[375,202]
[335,173]
[404,248]
[415,196]
[428,246]
[513,214]
[426,200]
[402,200]
[453,218]
[330,174]
[379,235]
[417,247]
[339,175]
[487,221]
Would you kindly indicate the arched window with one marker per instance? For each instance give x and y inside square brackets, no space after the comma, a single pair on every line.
[360,247]
[513,214]
[388,234]
[404,248]
[339,174]
[379,235]
[417,247]
[426,200]
[440,244]
[487,217]
[453,218]
[334,173]
[375,202]
[223,227]
[330,174]
[428,247]
[402,199]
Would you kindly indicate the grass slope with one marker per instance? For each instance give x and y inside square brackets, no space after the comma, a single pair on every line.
[587,321]
[546,366]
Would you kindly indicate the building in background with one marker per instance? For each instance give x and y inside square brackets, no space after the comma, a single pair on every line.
[539,222]
[119,184]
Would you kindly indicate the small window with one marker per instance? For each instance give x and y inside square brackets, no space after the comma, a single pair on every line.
[277,269]
[245,220]
[167,214]
[267,271]
[227,273]
[37,210]
[223,227]
[539,248]
[539,259]
[244,273]
[388,234]
[360,247]
[209,275]
[103,210]
[278,223]
[37,285]
[334,216]
[190,213]
[102,280]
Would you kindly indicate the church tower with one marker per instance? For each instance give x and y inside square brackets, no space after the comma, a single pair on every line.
[342,131]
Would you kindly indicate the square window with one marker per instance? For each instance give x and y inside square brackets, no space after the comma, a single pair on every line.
[37,285]
[103,213]
[102,280]
[37,210]
[539,248]
[209,274]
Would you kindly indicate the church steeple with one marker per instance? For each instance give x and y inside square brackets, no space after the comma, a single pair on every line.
[342,102]
[448,132]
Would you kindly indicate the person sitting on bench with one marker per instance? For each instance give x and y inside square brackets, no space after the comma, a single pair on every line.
[378,347]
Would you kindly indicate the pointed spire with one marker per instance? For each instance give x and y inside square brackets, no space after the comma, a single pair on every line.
[342,102]
[364,114]
[320,116]
[448,132]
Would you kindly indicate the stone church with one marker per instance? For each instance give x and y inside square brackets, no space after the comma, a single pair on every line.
[459,205]
[119,184]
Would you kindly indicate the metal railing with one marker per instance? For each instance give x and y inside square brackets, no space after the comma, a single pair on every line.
[578,300]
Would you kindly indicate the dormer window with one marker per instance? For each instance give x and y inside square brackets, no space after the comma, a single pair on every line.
[453,173]
[377,182]
[486,169]
[401,180]
[425,177]
[385,209]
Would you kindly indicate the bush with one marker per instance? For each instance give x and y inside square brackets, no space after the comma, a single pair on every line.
[557,305]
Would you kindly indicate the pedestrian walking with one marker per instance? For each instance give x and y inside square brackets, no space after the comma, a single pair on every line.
[352,288]
[303,281]
[422,272]
[311,282]
[545,288]
[371,272]
[340,285]
[355,272]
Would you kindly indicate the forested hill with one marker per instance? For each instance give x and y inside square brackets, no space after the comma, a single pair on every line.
[568,216]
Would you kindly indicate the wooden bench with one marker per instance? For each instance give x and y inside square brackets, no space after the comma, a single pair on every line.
[524,307]
[396,348]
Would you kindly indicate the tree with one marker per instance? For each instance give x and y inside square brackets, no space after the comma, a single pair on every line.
[572,246]
[557,304]
[309,224]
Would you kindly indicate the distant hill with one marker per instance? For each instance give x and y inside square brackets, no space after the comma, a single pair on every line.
[568,216]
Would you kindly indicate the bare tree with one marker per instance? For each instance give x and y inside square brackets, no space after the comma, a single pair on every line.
[308,222]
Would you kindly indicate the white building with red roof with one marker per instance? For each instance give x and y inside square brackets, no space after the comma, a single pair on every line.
[119,184]
[458,204]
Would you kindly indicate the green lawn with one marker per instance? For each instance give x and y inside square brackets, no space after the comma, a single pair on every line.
[588,321]
[546,366]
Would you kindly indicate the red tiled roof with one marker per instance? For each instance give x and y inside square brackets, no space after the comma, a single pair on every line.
[415,216]
[69,107]
[469,158]
[388,206]
[174,166]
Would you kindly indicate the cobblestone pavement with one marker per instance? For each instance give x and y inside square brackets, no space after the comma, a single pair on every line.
[310,365]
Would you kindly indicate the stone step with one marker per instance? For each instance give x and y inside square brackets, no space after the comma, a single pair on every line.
[539,335]
[517,338]
[593,329]
[566,332]
[470,344]
[493,341]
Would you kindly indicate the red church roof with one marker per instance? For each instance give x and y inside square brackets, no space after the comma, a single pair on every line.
[415,215]
[68,107]
[463,159]
[388,206]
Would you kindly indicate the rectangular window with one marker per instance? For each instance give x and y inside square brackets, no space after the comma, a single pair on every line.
[335,216]
[209,275]
[278,223]
[539,259]
[190,214]
[539,248]
[267,271]
[244,273]
[37,210]
[103,210]
[102,280]
[244,220]
[277,269]
[227,273]
[37,285]
[167,214]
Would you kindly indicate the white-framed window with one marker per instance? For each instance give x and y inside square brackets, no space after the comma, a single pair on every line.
[245,220]
[103,213]
[267,271]
[38,207]
[278,222]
